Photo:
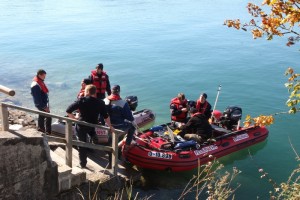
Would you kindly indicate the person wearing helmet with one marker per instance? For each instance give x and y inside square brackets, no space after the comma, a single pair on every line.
[203,106]
[120,114]
[100,79]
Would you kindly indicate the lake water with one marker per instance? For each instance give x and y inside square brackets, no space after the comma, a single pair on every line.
[154,50]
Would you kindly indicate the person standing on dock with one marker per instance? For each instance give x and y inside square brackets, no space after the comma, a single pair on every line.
[100,79]
[40,92]
[203,106]
[120,113]
[90,107]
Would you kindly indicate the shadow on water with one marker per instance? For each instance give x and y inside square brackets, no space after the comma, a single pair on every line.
[163,184]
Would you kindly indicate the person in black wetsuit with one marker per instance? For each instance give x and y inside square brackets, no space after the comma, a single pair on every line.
[197,124]
[90,107]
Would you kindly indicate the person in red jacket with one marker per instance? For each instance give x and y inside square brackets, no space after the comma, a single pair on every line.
[84,83]
[179,109]
[100,79]
[203,107]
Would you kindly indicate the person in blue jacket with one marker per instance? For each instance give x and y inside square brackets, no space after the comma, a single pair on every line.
[121,116]
[40,92]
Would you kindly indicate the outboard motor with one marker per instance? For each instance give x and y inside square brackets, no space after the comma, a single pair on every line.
[132,102]
[231,117]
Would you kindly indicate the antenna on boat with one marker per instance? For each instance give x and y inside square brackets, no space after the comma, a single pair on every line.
[219,89]
[171,134]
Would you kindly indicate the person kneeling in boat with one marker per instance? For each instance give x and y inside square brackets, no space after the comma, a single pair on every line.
[203,106]
[120,114]
[179,110]
[197,128]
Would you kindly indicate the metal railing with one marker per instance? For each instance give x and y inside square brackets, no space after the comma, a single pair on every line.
[68,134]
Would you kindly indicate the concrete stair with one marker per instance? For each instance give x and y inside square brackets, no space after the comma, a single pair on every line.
[67,177]
[70,177]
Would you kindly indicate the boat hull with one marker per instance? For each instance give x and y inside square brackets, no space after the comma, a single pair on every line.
[144,119]
[158,159]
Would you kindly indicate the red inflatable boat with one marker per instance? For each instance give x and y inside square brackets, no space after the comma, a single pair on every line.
[154,149]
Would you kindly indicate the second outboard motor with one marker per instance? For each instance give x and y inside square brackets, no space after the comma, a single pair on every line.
[231,117]
[132,101]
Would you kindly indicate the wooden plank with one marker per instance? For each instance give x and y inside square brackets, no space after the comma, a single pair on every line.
[93,146]
[7,90]
[4,117]
[81,144]
[114,163]
[56,139]
[60,117]
[69,134]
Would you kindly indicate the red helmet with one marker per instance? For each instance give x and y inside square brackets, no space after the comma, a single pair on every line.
[217,114]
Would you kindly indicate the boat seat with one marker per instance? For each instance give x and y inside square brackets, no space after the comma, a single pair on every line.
[219,129]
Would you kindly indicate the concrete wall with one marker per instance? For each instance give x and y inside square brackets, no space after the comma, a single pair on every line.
[26,169]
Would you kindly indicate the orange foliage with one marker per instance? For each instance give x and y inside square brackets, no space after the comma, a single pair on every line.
[282,19]
[262,120]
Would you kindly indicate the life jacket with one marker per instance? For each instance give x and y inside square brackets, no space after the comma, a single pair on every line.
[115,105]
[197,113]
[114,97]
[182,116]
[99,82]
[41,83]
[108,102]
[201,108]
[81,93]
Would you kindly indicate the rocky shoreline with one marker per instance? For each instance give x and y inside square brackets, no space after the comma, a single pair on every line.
[17,117]
[21,118]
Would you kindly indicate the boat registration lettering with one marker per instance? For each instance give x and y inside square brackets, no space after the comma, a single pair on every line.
[159,155]
[240,137]
[102,132]
[205,150]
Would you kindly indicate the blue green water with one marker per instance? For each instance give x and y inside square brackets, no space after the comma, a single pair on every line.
[154,50]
